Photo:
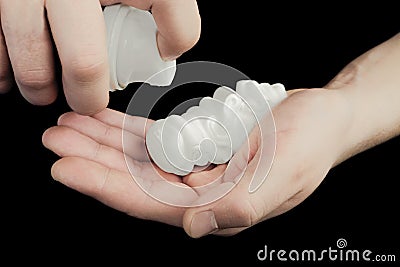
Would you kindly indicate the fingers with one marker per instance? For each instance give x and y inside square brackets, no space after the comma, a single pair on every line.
[104,134]
[5,67]
[79,33]
[141,4]
[113,188]
[204,177]
[234,211]
[111,117]
[136,125]
[30,50]
[178,23]
[179,26]
[67,142]
[241,209]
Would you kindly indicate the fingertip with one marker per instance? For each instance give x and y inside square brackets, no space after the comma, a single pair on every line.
[43,101]
[64,170]
[5,85]
[179,26]
[200,223]
[205,176]
[173,49]
[52,138]
[88,105]
[63,117]
[66,118]
[46,136]
[55,171]
[40,97]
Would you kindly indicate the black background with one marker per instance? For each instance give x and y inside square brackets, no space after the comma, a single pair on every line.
[303,45]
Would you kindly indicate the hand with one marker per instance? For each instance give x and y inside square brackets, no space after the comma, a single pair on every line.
[308,145]
[95,163]
[310,125]
[78,31]
[315,130]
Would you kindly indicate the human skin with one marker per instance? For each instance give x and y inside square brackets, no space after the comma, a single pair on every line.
[316,129]
[27,51]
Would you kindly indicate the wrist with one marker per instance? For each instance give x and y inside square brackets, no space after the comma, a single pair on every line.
[329,115]
[342,104]
[371,86]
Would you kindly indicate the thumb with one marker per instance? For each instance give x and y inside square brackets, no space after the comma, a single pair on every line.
[234,208]
[233,213]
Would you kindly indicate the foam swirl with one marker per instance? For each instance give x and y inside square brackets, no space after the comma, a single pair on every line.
[213,131]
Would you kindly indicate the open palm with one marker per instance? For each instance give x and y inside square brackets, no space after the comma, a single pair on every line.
[95,162]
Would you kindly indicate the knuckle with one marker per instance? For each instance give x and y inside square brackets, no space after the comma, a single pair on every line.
[35,79]
[107,134]
[86,69]
[104,184]
[244,214]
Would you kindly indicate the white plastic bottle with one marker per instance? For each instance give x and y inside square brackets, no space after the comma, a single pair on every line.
[132,48]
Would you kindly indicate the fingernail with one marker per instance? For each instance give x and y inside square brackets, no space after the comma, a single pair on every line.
[56,173]
[203,223]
